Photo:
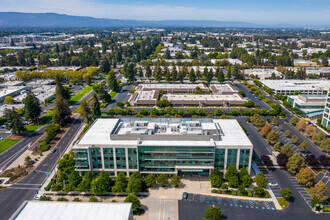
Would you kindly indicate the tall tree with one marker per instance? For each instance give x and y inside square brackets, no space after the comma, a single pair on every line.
[192,76]
[112,81]
[96,110]
[14,121]
[85,112]
[62,110]
[32,107]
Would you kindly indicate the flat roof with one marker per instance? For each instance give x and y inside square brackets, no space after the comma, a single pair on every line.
[171,86]
[297,84]
[41,210]
[145,95]
[229,130]
[223,88]
[192,97]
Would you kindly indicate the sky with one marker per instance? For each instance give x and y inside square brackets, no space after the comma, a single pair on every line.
[299,12]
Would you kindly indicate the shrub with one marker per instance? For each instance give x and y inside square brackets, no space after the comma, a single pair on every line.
[62,199]
[76,199]
[93,199]
[234,193]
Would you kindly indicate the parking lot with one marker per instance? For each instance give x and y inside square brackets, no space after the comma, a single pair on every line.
[231,202]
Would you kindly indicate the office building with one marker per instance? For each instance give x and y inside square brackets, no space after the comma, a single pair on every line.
[162,145]
[326,114]
[310,105]
[173,88]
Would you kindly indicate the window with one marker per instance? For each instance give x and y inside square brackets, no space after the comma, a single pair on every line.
[108,158]
[231,157]
[120,158]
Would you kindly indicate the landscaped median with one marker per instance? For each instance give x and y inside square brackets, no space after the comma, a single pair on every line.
[77,97]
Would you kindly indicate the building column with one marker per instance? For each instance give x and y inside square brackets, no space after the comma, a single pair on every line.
[238,156]
[102,158]
[225,165]
[250,160]
[114,160]
[126,159]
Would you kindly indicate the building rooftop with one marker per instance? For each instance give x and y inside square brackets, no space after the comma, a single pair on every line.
[167,87]
[297,84]
[222,88]
[193,97]
[164,131]
[40,210]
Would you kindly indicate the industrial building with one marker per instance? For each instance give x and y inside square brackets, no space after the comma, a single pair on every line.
[162,145]
[289,87]
[310,105]
[173,88]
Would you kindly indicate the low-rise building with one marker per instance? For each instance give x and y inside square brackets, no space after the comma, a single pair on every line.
[262,73]
[202,100]
[310,105]
[162,145]
[173,88]
[289,87]
[11,91]
[40,210]
[144,97]
[42,93]
[223,89]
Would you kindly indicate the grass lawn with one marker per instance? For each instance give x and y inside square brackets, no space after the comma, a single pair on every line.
[326,209]
[47,117]
[113,94]
[32,128]
[74,99]
[7,143]
[283,202]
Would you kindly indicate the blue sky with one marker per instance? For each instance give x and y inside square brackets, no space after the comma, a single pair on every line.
[302,12]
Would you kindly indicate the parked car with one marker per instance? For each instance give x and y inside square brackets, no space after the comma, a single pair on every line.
[272,184]
[53,150]
[185,195]
[36,197]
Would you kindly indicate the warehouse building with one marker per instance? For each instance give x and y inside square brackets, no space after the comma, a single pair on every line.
[162,145]
[173,88]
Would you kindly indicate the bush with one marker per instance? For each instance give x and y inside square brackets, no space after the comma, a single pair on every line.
[234,193]
[225,186]
[45,198]
[249,193]
[76,200]
[120,104]
[62,199]
[93,199]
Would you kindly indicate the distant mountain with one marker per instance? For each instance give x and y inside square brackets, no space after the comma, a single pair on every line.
[53,20]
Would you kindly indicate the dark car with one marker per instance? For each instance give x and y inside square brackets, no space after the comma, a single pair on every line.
[53,151]
[185,195]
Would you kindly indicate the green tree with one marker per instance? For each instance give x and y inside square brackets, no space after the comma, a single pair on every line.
[294,121]
[259,190]
[96,110]
[66,163]
[61,110]
[136,204]
[303,146]
[286,193]
[32,107]
[246,181]
[101,184]
[135,183]
[85,112]
[286,149]
[175,181]
[305,177]
[74,179]
[192,76]
[120,183]
[212,213]
[85,184]
[27,158]
[215,177]
[162,180]
[13,121]
[318,137]
[261,180]
[220,76]
[273,137]
[112,81]
[295,163]
[320,191]
[231,171]
[150,180]
[233,181]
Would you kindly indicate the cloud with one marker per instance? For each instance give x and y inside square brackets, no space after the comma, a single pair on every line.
[165,12]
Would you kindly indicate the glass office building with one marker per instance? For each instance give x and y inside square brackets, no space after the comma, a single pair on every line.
[169,146]
[326,113]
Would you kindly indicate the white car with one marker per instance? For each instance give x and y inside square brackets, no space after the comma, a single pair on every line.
[272,184]
[37,197]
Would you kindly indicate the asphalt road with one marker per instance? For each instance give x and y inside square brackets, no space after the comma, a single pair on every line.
[252,97]
[11,198]
[122,96]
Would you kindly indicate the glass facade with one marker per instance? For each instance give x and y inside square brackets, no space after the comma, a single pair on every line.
[244,157]
[96,158]
[81,158]
[231,157]
[132,158]
[120,158]
[165,158]
[108,158]
[219,160]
